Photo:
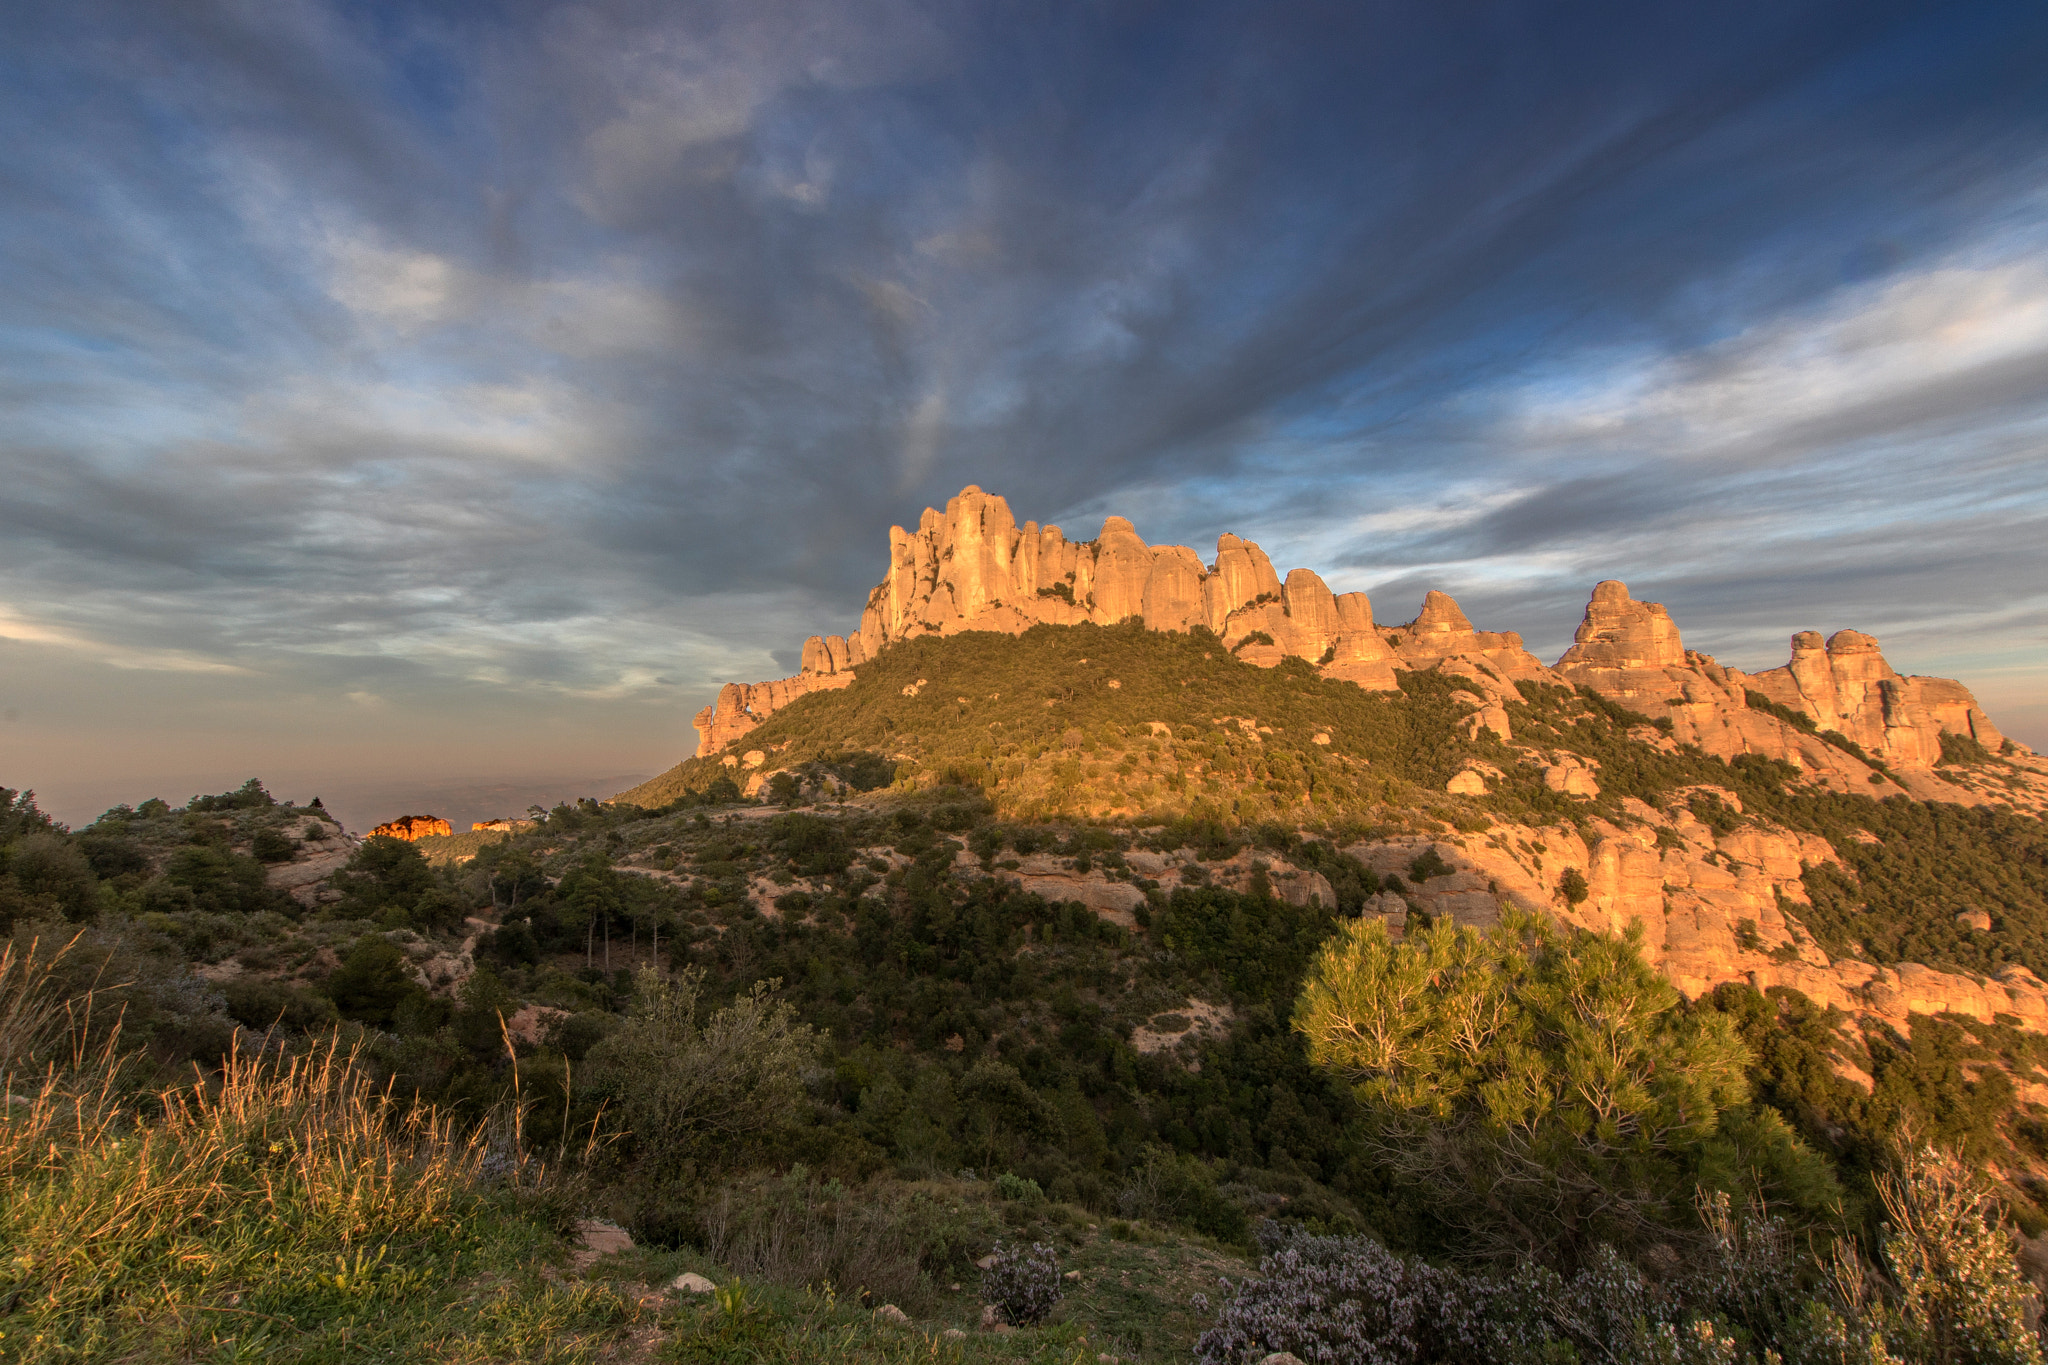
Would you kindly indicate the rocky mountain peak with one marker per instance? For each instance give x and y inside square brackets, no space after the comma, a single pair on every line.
[971,566]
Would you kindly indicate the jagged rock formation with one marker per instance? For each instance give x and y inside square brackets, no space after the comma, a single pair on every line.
[411,827]
[972,567]
[1631,653]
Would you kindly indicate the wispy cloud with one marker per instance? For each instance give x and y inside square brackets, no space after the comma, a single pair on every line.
[581,358]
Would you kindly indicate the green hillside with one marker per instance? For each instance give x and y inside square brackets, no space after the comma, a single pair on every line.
[1117,721]
[825,1045]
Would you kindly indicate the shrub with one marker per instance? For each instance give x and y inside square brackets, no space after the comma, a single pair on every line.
[1018,1189]
[897,1240]
[700,1093]
[217,880]
[1023,1285]
[249,796]
[1175,1187]
[1426,864]
[385,873]
[372,982]
[50,867]
[1963,751]
[1961,1296]
[1572,886]
[270,846]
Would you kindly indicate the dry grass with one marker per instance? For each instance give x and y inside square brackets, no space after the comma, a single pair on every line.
[277,1203]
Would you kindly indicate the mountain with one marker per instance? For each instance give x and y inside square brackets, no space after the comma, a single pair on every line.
[1011,912]
[972,568]
[1739,818]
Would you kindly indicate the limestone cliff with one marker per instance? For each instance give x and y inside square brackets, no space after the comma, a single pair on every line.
[1714,908]
[972,567]
[1631,653]
[411,827]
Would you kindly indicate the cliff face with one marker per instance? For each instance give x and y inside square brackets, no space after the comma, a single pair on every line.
[411,827]
[1631,653]
[972,567]
[1714,908]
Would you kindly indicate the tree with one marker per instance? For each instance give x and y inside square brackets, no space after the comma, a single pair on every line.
[49,866]
[700,1092]
[384,872]
[372,982]
[1544,1088]
[593,895]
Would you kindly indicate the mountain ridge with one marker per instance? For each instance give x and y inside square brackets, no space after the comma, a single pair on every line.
[971,567]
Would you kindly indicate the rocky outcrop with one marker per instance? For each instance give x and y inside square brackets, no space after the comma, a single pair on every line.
[1713,908]
[1630,652]
[323,850]
[1845,685]
[500,826]
[1440,632]
[972,567]
[411,827]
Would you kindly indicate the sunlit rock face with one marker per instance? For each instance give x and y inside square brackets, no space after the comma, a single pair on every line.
[1630,652]
[971,566]
[412,827]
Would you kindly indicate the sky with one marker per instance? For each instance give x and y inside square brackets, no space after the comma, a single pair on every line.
[397,397]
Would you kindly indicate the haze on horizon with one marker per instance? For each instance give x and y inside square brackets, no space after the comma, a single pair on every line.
[421,395]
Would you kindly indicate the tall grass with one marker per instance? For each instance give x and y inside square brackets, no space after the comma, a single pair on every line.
[281,1196]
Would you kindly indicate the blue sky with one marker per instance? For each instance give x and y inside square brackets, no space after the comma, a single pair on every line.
[433,393]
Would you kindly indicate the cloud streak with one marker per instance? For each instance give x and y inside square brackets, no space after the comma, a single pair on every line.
[584,353]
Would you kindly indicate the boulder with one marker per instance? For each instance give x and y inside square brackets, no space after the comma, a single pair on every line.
[690,1282]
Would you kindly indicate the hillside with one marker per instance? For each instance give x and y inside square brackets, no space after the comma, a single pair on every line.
[1075,1030]
[993,937]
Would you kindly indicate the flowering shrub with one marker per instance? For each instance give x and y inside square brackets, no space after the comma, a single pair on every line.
[1024,1285]
[1950,1293]
[1340,1300]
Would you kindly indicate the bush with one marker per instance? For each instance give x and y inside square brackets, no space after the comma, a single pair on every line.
[270,846]
[1023,1285]
[49,867]
[263,1003]
[372,982]
[223,882]
[1961,1296]
[702,1093]
[249,796]
[1175,1187]
[1963,751]
[1017,1189]
[385,873]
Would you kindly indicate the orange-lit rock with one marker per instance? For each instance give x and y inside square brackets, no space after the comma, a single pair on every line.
[972,567]
[412,827]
